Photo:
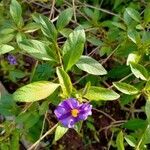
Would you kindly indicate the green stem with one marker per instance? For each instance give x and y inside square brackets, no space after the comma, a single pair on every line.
[33,71]
[58,54]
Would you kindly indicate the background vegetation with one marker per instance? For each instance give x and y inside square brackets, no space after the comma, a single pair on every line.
[92,50]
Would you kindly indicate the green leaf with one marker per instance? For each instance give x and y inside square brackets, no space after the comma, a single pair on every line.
[99,93]
[47,27]
[119,25]
[135,124]
[31,27]
[66,32]
[73,48]
[133,14]
[139,71]
[59,132]
[95,41]
[64,18]
[6,38]
[15,140]
[38,49]
[144,138]
[130,140]
[34,116]
[7,105]
[147,90]
[134,36]
[16,12]
[147,110]
[133,57]
[119,141]
[35,91]
[43,107]
[90,66]
[86,88]
[125,88]
[64,81]
[5,49]
[147,14]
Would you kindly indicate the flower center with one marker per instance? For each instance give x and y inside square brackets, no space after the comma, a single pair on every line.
[74,112]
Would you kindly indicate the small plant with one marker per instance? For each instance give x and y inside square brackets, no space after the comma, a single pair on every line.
[80,68]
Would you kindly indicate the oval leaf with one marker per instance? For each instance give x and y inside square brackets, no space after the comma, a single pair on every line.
[126,88]
[90,66]
[73,48]
[59,132]
[48,28]
[5,49]
[35,91]
[99,93]
[65,82]
[38,49]
[139,71]
[16,12]
[133,14]
[64,18]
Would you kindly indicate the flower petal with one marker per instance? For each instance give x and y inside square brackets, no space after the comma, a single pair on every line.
[73,103]
[85,111]
[59,111]
[68,122]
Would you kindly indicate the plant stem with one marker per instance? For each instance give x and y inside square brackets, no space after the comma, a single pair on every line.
[58,54]
[47,133]
[33,71]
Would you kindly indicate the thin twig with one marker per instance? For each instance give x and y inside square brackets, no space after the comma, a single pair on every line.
[43,125]
[47,133]
[33,71]
[74,10]
[100,9]
[102,112]
[52,9]
[105,60]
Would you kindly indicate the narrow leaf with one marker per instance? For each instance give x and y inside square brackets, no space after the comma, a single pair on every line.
[119,141]
[47,28]
[134,14]
[90,66]
[64,18]
[35,91]
[125,88]
[16,12]
[65,82]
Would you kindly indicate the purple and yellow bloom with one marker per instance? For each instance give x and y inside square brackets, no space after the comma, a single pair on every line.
[71,111]
[12,59]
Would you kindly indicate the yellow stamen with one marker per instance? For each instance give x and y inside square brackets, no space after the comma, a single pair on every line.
[74,112]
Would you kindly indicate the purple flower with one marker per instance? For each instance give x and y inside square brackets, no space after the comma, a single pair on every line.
[71,111]
[11,59]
